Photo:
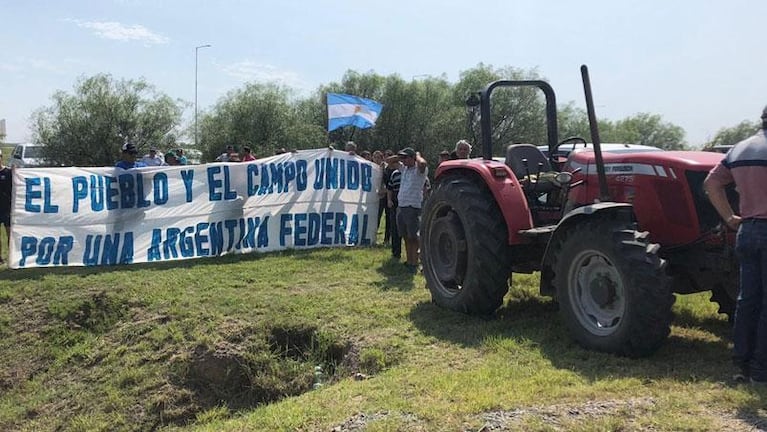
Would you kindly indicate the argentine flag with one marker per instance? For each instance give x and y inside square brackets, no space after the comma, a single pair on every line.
[348,110]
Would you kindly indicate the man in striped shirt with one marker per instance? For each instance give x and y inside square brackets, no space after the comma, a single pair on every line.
[746,166]
[413,171]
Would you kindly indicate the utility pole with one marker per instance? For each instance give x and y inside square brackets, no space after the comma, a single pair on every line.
[196,49]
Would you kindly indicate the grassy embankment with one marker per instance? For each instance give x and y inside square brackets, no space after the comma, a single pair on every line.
[235,343]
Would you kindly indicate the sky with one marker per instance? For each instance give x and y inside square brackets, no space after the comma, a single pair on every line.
[698,64]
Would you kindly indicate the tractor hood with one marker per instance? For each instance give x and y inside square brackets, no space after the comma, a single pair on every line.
[683,160]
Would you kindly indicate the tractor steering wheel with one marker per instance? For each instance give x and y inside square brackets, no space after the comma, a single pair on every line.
[574,140]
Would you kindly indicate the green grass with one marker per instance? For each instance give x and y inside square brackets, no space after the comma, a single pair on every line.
[239,343]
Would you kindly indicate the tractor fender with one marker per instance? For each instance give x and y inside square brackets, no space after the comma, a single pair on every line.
[617,211]
[503,184]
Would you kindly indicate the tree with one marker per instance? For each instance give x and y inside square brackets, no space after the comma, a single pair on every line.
[89,127]
[517,112]
[258,116]
[646,129]
[418,113]
[734,134]
[370,86]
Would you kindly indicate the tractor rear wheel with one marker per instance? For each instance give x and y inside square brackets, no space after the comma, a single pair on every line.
[463,247]
[613,293]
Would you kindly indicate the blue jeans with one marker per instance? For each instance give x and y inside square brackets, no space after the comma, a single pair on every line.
[750,330]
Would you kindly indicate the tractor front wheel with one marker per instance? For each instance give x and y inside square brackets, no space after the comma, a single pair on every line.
[613,293]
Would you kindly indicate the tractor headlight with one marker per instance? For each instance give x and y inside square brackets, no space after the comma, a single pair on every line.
[563,178]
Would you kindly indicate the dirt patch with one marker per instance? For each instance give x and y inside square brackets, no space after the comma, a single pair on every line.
[305,343]
[96,314]
[561,417]
[28,356]
[558,417]
[359,422]
[248,369]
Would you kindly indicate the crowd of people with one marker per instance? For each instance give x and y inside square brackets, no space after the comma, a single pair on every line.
[129,157]
[403,190]
[405,186]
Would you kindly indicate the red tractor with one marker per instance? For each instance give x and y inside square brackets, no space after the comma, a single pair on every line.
[613,234]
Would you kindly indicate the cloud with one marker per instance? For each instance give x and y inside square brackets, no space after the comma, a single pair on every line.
[117,31]
[26,64]
[249,70]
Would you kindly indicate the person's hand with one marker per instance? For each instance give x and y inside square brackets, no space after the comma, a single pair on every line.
[734,222]
[390,203]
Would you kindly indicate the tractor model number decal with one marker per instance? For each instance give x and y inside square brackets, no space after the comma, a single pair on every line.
[619,168]
[629,169]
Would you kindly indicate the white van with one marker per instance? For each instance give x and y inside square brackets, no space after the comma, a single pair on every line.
[27,156]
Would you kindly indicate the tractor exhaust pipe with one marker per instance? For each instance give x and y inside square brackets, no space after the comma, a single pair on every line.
[604,194]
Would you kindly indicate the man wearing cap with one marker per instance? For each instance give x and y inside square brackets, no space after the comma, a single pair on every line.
[153,159]
[413,171]
[128,158]
[746,166]
[171,158]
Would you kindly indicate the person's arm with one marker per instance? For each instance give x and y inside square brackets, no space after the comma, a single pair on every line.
[393,159]
[420,162]
[715,189]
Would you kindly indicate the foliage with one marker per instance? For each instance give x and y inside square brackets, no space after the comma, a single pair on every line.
[573,122]
[88,128]
[257,115]
[646,129]
[733,135]
[428,113]
[517,113]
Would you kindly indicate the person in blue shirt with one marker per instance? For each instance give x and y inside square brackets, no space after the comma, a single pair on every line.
[128,158]
[180,156]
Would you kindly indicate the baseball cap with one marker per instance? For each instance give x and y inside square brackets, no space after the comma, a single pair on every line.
[129,148]
[406,152]
[152,149]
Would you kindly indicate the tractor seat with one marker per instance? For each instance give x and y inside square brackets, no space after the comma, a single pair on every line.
[516,152]
[542,180]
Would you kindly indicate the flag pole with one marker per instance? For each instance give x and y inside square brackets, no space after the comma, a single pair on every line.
[327,121]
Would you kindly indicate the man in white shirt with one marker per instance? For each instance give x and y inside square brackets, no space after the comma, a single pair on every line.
[413,171]
[153,159]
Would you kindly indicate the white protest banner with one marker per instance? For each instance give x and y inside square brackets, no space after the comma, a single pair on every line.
[107,216]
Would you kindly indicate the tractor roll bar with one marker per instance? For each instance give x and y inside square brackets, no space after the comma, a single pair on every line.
[486,123]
